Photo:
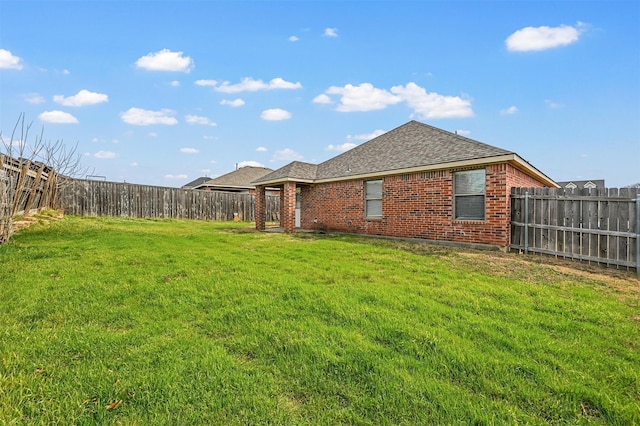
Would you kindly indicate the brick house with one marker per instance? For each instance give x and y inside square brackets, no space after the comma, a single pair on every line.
[415,181]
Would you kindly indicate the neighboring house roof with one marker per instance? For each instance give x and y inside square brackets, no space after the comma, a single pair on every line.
[237,179]
[409,148]
[583,184]
[196,183]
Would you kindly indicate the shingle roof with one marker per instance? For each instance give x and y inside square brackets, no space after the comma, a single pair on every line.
[240,178]
[411,145]
[196,182]
[295,170]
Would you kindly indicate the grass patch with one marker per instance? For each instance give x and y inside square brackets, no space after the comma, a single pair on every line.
[119,321]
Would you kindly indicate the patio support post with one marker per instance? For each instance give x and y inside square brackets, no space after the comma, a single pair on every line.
[260,208]
[288,207]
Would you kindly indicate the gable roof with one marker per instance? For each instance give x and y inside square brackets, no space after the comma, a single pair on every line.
[195,183]
[409,148]
[594,183]
[237,179]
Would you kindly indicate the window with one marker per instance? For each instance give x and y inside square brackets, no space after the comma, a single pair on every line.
[373,198]
[468,194]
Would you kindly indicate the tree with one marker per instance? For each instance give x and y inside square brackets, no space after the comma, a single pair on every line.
[32,172]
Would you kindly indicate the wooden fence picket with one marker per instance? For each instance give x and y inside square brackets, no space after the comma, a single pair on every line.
[598,226]
[101,198]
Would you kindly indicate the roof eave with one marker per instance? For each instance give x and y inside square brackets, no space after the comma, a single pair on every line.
[512,158]
[283,180]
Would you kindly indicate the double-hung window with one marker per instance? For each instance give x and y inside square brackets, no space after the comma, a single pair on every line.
[469,195]
[373,198]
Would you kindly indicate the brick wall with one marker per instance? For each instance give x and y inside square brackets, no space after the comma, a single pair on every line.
[417,205]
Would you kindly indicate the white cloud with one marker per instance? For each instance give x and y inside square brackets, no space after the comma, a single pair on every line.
[542,38]
[287,154]
[364,97]
[57,117]
[552,104]
[248,84]
[234,103]
[205,171]
[341,148]
[249,163]
[330,32]
[105,154]
[462,132]
[209,138]
[176,177]
[206,83]
[293,38]
[34,98]
[322,99]
[189,150]
[433,105]
[275,114]
[511,110]
[174,83]
[196,119]
[82,98]
[261,149]
[165,60]
[134,164]
[9,61]
[143,117]
[366,136]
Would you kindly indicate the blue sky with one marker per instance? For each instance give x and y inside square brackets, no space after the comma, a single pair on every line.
[163,92]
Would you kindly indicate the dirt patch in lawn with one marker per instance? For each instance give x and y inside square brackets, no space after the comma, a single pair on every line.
[22,222]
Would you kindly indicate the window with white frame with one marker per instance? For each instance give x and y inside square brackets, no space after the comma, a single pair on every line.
[373,198]
[469,194]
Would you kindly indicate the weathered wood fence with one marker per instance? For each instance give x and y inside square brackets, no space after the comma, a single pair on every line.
[100,198]
[25,186]
[33,184]
[598,226]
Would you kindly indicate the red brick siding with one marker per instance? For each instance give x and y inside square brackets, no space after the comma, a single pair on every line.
[288,207]
[417,205]
[260,208]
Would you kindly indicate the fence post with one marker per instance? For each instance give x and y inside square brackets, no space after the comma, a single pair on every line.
[526,222]
[638,235]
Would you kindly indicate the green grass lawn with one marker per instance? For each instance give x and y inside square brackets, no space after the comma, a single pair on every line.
[137,322]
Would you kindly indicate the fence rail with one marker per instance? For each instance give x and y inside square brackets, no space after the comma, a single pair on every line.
[100,198]
[600,226]
[25,186]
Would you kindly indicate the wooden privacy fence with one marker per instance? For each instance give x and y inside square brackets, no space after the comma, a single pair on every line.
[599,226]
[100,198]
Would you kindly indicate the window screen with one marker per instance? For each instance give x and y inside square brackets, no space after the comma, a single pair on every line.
[469,194]
[373,198]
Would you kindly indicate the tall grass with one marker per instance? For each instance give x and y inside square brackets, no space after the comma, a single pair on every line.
[117,321]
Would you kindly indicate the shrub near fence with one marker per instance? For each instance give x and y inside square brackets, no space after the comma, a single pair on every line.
[100,198]
[591,225]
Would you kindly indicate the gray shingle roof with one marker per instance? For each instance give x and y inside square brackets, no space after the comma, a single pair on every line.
[411,145]
[294,170]
[196,182]
[241,178]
